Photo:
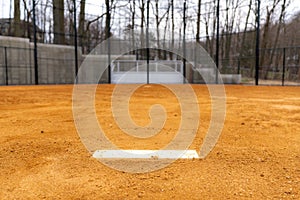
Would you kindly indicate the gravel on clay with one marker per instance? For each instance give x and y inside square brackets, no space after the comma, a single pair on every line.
[257,155]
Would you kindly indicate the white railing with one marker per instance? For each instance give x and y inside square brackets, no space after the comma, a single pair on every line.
[154,66]
[135,71]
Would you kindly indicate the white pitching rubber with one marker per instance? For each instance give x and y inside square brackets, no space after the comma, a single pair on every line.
[146,154]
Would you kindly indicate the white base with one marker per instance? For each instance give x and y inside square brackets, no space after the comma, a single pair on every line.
[157,154]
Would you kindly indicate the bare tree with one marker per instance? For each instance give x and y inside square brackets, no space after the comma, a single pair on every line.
[69,23]
[266,30]
[229,23]
[246,27]
[164,39]
[158,20]
[210,26]
[132,9]
[27,13]
[173,25]
[142,8]
[44,19]
[17,19]
[58,21]
[157,26]
[81,31]
[279,28]
[198,22]
[291,38]
[108,18]
[142,22]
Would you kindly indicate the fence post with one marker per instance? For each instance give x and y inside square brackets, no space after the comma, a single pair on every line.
[217,41]
[147,42]
[30,69]
[239,66]
[183,43]
[6,67]
[257,43]
[75,42]
[36,74]
[283,67]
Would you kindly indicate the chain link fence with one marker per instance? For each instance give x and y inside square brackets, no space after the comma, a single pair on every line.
[52,53]
[17,66]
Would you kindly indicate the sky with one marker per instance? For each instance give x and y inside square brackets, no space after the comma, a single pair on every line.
[94,7]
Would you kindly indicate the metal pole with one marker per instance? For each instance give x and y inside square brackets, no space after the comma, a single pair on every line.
[283,67]
[75,41]
[217,41]
[147,41]
[6,67]
[257,43]
[108,39]
[239,66]
[30,66]
[183,42]
[36,74]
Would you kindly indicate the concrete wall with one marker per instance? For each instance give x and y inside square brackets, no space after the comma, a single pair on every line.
[94,67]
[19,58]
[56,65]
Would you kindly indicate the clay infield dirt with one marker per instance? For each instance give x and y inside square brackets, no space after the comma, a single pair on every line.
[257,155]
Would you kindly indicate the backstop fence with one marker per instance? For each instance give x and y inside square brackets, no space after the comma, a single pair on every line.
[17,66]
[61,34]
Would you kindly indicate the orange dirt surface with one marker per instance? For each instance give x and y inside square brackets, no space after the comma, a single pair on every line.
[257,155]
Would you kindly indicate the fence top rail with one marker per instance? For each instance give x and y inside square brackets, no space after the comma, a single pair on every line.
[150,61]
[11,47]
[178,65]
[280,48]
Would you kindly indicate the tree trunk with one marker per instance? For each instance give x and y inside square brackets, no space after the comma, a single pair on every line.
[164,43]
[107,19]
[17,20]
[266,31]
[142,8]
[207,36]
[27,12]
[243,50]
[280,23]
[173,27]
[132,8]
[70,31]
[198,22]
[213,33]
[44,14]
[81,31]
[58,21]
[227,37]
[157,29]
[229,31]
[265,36]
[158,21]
